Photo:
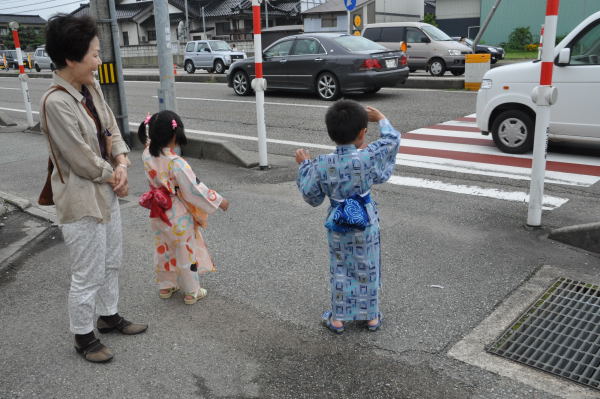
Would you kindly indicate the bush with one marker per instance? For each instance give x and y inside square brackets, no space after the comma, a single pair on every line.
[430,19]
[531,47]
[519,38]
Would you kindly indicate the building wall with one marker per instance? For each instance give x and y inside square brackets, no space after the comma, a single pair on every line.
[467,27]
[132,31]
[452,9]
[512,14]
[313,24]
[394,10]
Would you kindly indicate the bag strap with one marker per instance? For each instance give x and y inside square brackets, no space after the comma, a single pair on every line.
[45,129]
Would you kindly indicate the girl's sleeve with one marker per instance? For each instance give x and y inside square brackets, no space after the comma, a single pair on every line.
[383,152]
[192,190]
[309,183]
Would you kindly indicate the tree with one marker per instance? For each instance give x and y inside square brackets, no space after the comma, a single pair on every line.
[430,19]
[519,38]
[30,38]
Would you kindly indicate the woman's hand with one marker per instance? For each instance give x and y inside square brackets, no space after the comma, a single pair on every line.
[224,205]
[302,155]
[120,176]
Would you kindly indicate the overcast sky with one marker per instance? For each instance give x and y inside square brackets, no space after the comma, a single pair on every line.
[44,9]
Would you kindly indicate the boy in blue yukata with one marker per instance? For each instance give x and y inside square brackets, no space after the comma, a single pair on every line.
[346,177]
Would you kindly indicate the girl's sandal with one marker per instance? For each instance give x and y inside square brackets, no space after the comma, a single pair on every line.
[326,320]
[167,292]
[376,326]
[190,299]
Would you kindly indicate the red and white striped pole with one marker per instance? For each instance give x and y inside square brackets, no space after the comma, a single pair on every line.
[14,26]
[259,84]
[544,96]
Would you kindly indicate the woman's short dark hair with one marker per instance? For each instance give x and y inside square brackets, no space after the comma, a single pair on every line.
[344,120]
[161,131]
[69,37]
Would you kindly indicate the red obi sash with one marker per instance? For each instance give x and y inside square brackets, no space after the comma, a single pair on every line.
[158,200]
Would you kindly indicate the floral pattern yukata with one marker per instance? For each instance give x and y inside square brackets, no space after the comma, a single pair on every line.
[354,257]
[177,248]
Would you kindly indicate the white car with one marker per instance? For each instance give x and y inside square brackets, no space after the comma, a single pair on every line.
[505,107]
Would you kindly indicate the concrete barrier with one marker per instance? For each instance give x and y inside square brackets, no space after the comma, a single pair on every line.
[585,236]
[476,65]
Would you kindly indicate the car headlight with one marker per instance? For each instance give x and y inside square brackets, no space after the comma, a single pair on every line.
[486,84]
[454,52]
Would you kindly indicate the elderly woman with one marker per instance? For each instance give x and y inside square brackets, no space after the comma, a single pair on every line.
[90,159]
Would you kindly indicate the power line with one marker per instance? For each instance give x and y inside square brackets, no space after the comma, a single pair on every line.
[47,8]
[28,5]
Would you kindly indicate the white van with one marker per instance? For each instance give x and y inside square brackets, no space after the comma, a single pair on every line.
[427,47]
[505,107]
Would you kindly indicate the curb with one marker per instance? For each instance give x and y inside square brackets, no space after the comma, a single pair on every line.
[584,236]
[26,206]
[413,82]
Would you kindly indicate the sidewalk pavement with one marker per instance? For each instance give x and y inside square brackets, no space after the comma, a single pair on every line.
[449,262]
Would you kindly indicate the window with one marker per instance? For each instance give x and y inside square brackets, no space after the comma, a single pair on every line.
[358,43]
[190,48]
[414,35]
[151,35]
[328,21]
[585,49]
[203,47]
[223,28]
[373,34]
[281,49]
[392,34]
[436,34]
[307,47]
[219,45]
[125,38]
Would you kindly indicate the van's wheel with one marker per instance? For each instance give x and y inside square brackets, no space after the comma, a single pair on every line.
[457,72]
[37,68]
[219,67]
[189,67]
[437,67]
[52,67]
[328,87]
[513,131]
[241,83]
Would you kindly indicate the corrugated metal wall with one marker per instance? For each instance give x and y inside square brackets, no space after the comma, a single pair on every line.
[515,13]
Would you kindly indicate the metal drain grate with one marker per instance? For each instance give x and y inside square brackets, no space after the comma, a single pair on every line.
[559,333]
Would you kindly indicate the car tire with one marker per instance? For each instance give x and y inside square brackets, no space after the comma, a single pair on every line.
[411,70]
[241,83]
[457,72]
[436,67]
[37,68]
[52,67]
[189,67]
[219,67]
[494,60]
[513,131]
[328,87]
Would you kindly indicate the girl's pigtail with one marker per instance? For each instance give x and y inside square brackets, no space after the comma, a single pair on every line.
[142,135]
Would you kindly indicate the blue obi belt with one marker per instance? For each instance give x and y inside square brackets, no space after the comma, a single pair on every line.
[349,214]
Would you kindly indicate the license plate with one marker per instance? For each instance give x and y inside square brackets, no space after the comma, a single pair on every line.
[393,63]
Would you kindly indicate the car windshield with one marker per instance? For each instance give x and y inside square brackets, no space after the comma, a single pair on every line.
[357,43]
[435,34]
[12,53]
[219,45]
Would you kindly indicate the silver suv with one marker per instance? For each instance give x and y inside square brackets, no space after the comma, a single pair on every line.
[41,60]
[213,55]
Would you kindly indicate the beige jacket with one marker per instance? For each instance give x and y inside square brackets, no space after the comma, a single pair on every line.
[74,139]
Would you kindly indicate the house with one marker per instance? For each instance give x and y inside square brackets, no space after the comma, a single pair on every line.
[29,22]
[463,17]
[332,16]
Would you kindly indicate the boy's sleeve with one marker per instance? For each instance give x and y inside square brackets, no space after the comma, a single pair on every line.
[383,152]
[308,183]
[192,190]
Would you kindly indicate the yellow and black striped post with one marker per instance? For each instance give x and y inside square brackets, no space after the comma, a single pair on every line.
[106,74]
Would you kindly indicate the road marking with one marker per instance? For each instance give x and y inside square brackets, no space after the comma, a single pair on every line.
[548,203]
[10,88]
[17,110]
[249,102]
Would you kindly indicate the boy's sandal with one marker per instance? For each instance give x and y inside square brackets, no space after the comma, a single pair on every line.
[326,320]
[377,326]
[190,299]
[167,292]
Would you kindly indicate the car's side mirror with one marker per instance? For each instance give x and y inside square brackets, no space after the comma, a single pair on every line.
[425,40]
[564,57]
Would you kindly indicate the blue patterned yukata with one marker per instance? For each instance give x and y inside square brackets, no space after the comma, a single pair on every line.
[354,255]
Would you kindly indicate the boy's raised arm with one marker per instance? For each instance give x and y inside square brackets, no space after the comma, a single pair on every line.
[383,151]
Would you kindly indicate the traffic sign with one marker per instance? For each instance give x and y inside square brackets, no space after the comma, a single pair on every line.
[350,4]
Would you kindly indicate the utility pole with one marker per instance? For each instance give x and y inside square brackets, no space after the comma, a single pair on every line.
[204,24]
[111,70]
[187,23]
[166,92]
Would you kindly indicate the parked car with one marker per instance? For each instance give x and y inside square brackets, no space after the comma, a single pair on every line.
[11,59]
[427,47]
[41,60]
[496,53]
[212,55]
[330,64]
[505,107]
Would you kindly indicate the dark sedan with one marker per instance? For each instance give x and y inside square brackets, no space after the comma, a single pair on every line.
[496,53]
[330,64]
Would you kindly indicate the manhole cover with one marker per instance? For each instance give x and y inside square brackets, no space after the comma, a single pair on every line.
[559,333]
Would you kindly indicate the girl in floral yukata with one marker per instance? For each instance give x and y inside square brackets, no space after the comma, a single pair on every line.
[346,177]
[179,204]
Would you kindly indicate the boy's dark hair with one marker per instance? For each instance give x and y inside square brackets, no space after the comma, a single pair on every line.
[344,120]
[161,131]
[69,37]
